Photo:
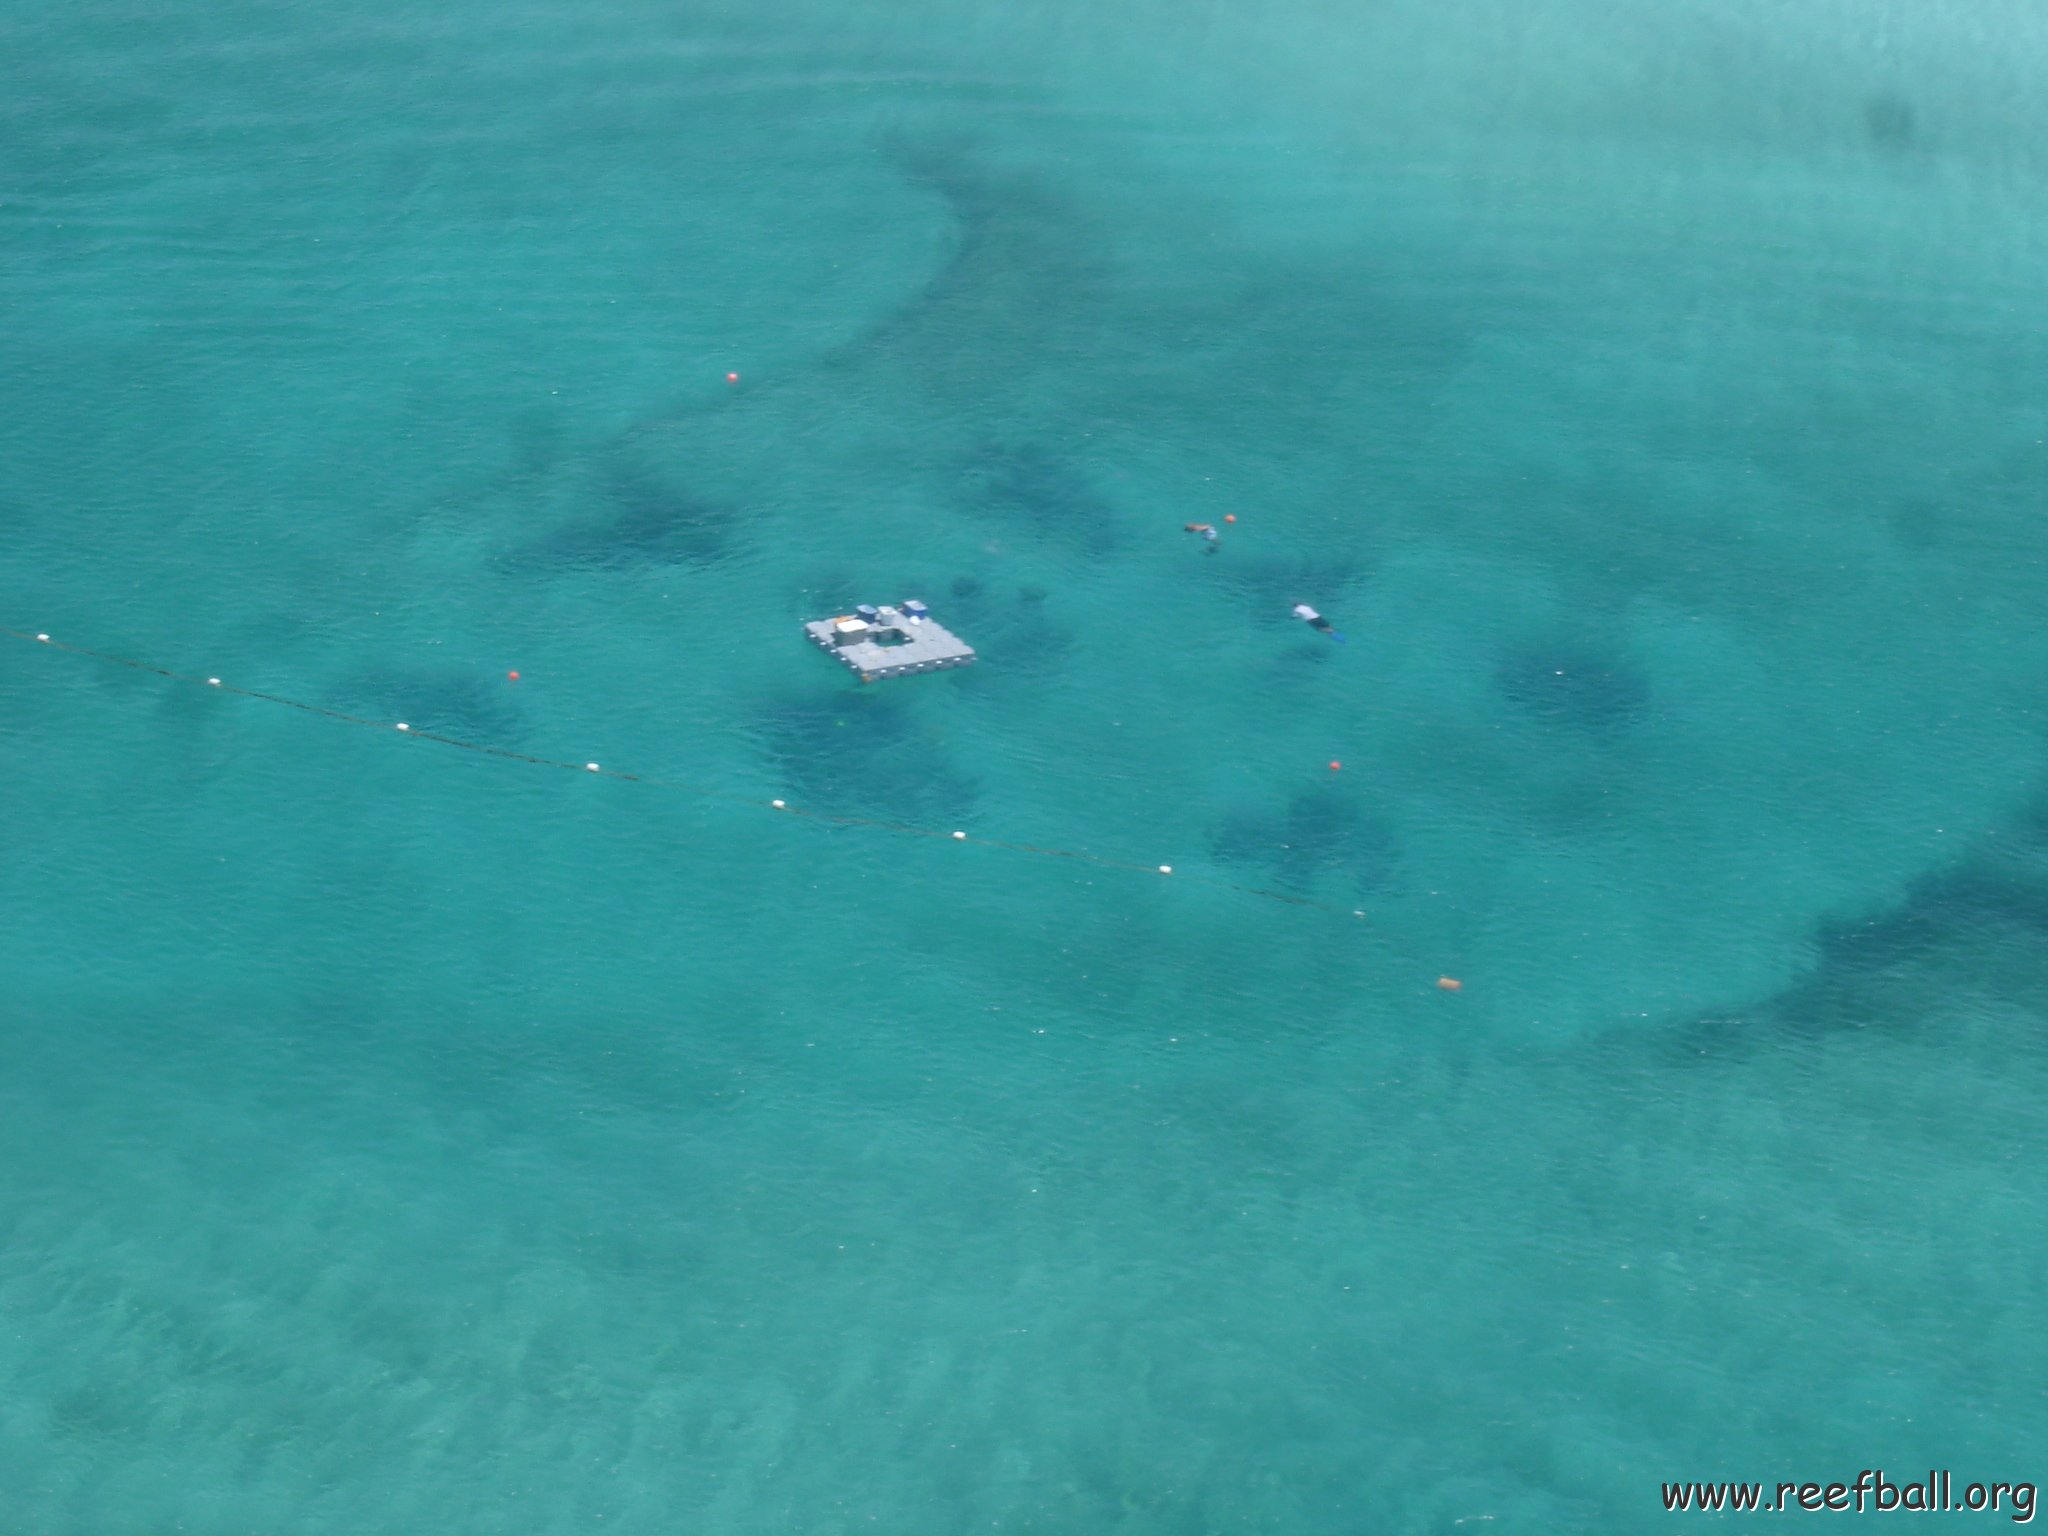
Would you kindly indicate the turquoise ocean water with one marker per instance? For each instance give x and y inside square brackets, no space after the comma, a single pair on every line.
[397,1140]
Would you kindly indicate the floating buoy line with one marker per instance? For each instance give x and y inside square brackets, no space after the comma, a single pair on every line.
[779,807]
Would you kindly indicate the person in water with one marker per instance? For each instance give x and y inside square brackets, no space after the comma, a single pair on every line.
[1208,533]
[1315,620]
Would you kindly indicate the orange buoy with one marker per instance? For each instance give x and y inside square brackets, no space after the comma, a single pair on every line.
[514,676]
[732,378]
[1335,766]
[1230,517]
[1449,984]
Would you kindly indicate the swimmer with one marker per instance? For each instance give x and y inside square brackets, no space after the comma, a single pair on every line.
[1208,533]
[1315,620]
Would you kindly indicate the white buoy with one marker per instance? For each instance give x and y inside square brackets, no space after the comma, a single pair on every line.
[778,805]
[213,682]
[590,767]
[1166,869]
[44,638]
[403,726]
[961,836]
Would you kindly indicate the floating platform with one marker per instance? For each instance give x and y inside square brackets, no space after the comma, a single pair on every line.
[890,642]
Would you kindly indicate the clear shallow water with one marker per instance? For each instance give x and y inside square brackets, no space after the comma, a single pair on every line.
[400,1141]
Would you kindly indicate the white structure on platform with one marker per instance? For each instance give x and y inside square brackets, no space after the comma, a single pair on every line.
[890,642]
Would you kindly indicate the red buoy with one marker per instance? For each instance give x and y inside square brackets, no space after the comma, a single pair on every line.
[513,675]
[732,378]
[1335,766]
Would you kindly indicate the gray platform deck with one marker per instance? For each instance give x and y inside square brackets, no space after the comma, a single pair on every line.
[895,647]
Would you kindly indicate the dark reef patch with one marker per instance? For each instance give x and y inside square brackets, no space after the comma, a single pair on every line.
[1889,971]
[1917,525]
[1573,687]
[1890,122]
[447,702]
[863,754]
[1316,832]
[1023,289]
[1029,488]
[642,520]
[1011,631]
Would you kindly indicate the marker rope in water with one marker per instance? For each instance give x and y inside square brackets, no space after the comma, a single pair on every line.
[484,749]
